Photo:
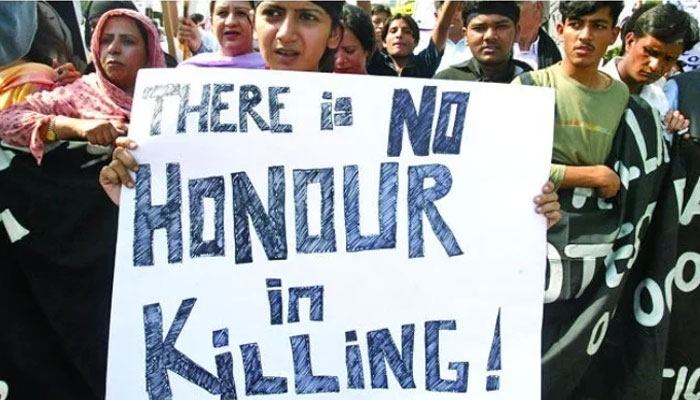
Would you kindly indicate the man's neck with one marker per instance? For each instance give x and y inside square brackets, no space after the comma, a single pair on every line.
[494,72]
[634,86]
[527,39]
[400,62]
[588,76]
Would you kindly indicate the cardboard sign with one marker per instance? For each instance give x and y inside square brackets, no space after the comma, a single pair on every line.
[326,236]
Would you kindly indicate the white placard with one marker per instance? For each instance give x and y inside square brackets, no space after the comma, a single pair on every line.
[406,259]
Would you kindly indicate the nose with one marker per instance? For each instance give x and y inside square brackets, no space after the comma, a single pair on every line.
[490,34]
[655,64]
[586,33]
[231,19]
[114,47]
[287,31]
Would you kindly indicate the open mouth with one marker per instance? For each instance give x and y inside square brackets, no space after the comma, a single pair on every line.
[286,55]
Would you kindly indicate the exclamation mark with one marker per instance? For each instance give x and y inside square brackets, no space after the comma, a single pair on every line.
[494,364]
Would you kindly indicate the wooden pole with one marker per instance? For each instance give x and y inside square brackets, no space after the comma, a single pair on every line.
[170,22]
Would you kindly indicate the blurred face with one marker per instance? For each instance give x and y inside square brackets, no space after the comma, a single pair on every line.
[350,57]
[378,22]
[530,16]
[490,38]
[399,41]
[587,38]
[647,59]
[233,26]
[293,35]
[122,51]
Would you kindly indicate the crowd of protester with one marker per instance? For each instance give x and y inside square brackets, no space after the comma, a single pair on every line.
[69,127]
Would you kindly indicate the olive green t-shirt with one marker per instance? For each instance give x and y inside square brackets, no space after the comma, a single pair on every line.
[585,122]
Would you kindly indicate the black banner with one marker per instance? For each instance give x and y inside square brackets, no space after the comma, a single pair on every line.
[618,268]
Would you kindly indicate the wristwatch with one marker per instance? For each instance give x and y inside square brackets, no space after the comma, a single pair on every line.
[51,132]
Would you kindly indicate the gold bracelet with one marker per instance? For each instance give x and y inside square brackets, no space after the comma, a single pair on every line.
[51,132]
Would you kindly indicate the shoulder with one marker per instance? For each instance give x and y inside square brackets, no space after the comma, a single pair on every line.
[542,77]
[456,72]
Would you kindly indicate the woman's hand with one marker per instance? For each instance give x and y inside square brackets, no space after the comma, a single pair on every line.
[67,73]
[187,32]
[96,131]
[116,174]
[548,205]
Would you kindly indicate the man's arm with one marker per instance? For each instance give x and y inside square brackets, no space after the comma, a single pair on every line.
[600,177]
[443,23]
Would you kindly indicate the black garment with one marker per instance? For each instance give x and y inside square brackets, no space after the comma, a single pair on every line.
[56,279]
[688,98]
[421,65]
[547,51]
[471,71]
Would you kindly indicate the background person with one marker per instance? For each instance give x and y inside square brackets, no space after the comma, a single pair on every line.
[357,45]
[534,46]
[490,28]
[232,23]
[380,13]
[400,37]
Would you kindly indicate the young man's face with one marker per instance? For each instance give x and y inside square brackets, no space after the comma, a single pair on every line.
[587,38]
[490,38]
[399,41]
[648,59]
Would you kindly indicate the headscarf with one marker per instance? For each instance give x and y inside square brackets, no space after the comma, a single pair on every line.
[18,22]
[156,59]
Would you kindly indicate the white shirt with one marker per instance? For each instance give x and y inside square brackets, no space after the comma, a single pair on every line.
[528,56]
[652,93]
[455,53]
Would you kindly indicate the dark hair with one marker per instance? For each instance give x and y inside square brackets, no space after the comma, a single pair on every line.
[415,31]
[52,36]
[358,22]
[381,8]
[577,9]
[508,9]
[664,22]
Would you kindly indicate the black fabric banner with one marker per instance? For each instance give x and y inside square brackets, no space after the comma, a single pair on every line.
[57,242]
[613,279]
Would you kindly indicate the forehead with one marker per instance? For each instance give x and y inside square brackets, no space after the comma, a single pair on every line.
[600,15]
[121,25]
[380,15]
[293,6]
[399,23]
[236,4]
[673,49]
[490,19]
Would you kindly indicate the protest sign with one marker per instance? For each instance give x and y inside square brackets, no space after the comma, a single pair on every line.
[330,236]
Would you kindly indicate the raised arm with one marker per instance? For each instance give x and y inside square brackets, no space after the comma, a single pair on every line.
[443,23]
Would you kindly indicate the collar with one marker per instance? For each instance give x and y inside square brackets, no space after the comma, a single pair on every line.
[473,66]
[533,46]
[389,61]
